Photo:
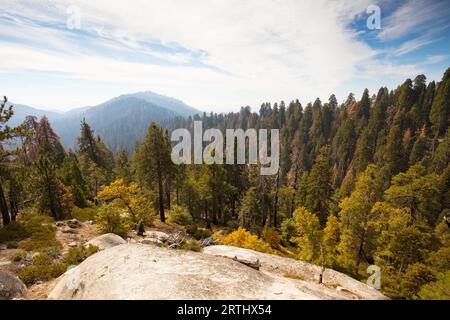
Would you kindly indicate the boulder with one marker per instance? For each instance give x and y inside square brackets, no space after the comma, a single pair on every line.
[137,271]
[60,224]
[158,235]
[153,241]
[345,285]
[106,241]
[74,223]
[11,287]
[69,230]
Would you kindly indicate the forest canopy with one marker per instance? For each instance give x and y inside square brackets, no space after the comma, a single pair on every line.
[363,182]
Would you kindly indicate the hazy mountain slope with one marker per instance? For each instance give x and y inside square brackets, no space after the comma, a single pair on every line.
[120,122]
[172,104]
[21,111]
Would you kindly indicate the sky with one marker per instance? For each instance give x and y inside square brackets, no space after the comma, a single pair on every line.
[216,55]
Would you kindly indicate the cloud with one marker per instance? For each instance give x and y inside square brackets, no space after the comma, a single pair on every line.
[414,16]
[212,54]
[435,59]
[412,45]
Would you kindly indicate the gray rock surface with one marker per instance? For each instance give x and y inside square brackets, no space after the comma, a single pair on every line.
[11,287]
[106,241]
[157,235]
[137,271]
[274,264]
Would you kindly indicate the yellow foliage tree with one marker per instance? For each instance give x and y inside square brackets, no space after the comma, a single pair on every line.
[309,235]
[244,239]
[130,198]
[330,240]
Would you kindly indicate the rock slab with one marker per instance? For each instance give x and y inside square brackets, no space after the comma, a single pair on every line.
[143,272]
[106,241]
[11,287]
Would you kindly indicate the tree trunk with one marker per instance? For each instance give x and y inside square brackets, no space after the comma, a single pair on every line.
[275,211]
[208,224]
[161,195]
[168,194]
[4,207]
[263,208]
[295,192]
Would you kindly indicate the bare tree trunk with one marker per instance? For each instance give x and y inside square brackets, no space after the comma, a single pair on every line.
[275,211]
[168,194]
[4,207]
[161,195]
[208,224]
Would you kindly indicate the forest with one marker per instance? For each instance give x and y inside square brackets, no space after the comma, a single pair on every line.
[363,182]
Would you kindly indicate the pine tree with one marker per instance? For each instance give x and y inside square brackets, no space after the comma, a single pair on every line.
[123,169]
[53,195]
[439,113]
[357,235]
[152,160]
[319,189]
[330,240]
[308,234]
[6,133]
[250,211]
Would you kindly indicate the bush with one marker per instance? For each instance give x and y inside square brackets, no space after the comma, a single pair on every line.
[179,215]
[288,230]
[438,290]
[42,259]
[244,239]
[41,233]
[271,236]
[18,257]
[191,245]
[12,245]
[197,233]
[34,273]
[109,220]
[13,232]
[84,214]
[79,254]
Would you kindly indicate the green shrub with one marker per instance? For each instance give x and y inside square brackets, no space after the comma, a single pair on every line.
[14,232]
[271,236]
[438,290]
[40,245]
[109,220]
[12,245]
[179,215]
[197,233]
[41,233]
[79,254]
[34,273]
[42,259]
[288,230]
[191,245]
[19,256]
[84,214]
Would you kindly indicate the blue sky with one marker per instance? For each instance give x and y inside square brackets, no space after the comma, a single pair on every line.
[215,55]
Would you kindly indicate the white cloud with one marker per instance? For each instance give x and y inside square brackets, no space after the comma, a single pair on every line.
[267,49]
[435,59]
[414,16]
[411,45]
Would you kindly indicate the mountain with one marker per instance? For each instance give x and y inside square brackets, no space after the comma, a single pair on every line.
[120,122]
[21,111]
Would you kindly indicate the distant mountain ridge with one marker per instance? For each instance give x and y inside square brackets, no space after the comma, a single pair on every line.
[120,121]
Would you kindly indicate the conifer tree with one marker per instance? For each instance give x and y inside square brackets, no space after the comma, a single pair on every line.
[319,188]
[357,234]
[152,159]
